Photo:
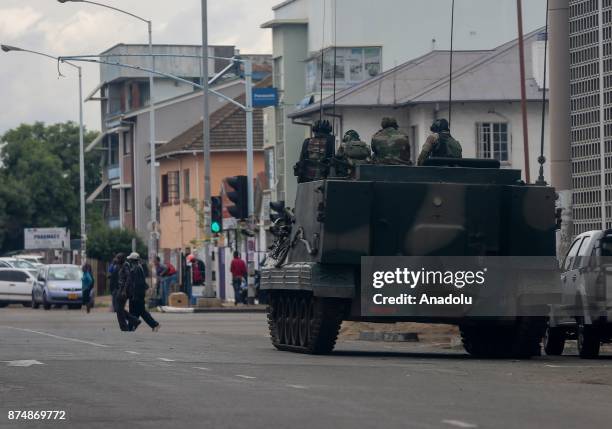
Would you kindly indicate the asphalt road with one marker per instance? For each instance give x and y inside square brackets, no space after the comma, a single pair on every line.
[220,371]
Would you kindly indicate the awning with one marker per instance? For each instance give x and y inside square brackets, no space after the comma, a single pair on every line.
[100,137]
[97,192]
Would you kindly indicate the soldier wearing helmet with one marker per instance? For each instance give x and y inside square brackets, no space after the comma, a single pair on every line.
[352,152]
[316,154]
[390,146]
[440,144]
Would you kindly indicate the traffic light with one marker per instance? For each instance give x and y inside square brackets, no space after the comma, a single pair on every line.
[216,215]
[277,211]
[239,196]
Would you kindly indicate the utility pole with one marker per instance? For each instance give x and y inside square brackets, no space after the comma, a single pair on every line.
[248,75]
[153,169]
[209,291]
[82,172]
[559,102]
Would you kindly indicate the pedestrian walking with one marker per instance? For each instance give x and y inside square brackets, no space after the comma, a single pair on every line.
[138,279]
[121,274]
[238,269]
[87,284]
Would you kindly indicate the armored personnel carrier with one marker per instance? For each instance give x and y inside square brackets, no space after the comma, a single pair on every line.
[446,208]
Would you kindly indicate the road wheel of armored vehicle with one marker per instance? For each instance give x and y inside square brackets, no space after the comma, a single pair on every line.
[554,341]
[300,322]
[520,339]
[589,341]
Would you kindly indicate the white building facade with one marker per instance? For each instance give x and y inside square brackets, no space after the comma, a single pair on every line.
[363,39]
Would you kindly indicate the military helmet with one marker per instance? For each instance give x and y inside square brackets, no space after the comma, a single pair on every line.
[322,127]
[440,125]
[389,123]
[351,136]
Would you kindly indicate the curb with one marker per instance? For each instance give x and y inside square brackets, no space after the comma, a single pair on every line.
[230,310]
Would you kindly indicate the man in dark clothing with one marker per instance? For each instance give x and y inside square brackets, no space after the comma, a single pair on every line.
[440,144]
[316,154]
[138,280]
[238,269]
[119,283]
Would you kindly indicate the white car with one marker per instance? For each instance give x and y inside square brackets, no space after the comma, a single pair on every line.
[18,263]
[15,287]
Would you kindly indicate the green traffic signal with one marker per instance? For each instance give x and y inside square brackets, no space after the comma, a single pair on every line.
[215,227]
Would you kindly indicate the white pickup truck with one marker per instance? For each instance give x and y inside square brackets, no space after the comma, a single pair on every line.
[585,312]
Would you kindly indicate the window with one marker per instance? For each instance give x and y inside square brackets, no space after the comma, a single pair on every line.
[5,276]
[493,141]
[127,143]
[127,200]
[353,65]
[113,149]
[164,189]
[571,254]
[186,185]
[174,187]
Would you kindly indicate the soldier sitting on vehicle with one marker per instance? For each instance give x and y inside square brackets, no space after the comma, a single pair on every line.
[440,144]
[390,146]
[352,152]
[316,155]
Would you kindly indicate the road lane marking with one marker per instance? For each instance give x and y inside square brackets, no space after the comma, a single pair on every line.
[297,386]
[201,368]
[22,363]
[131,352]
[74,340]
[248,377]
[166,360]
[459,424]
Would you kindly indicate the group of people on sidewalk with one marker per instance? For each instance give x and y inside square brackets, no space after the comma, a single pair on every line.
[128,282]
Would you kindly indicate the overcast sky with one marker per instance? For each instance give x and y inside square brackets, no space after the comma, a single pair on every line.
[30,89]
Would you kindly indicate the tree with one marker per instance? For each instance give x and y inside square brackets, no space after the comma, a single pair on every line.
[105,242]
[39,177]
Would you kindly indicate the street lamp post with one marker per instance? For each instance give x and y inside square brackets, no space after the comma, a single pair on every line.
[208,288]
[7,48]
[152,137]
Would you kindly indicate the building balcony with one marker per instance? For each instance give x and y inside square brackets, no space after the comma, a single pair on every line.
[114,222]
[113,172]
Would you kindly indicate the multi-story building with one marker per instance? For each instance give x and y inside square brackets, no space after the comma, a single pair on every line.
[591,113]
[124,96]
[363,39]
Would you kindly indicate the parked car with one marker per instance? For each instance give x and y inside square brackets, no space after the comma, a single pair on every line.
[585,313]
[18,263]
[15,286]
[57,285]
[35,260]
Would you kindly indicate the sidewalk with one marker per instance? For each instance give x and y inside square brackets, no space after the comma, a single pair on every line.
[229,307]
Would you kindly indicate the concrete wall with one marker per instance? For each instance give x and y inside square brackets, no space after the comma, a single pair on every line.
[465,116]
[405,28]
[290,43]
[173,65]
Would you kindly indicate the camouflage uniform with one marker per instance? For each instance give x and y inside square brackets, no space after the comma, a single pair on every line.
[352,152]
[316,154]
[390,146]
[440,144]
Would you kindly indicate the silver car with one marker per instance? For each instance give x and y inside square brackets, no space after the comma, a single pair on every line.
[58,285]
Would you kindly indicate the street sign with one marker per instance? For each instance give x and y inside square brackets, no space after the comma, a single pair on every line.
[46,238]
[265,97]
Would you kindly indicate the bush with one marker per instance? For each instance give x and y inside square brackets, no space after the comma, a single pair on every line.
[104,243]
